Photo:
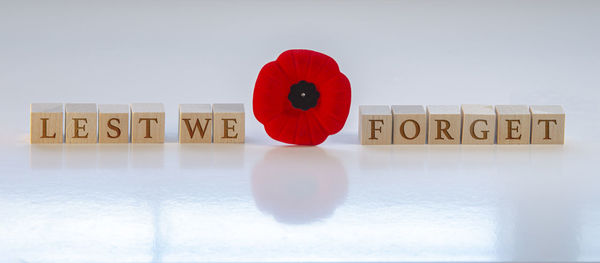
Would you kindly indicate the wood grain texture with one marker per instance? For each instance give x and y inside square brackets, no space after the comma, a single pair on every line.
[147,123]
[195,123]
[514,124]
[547,124]
[375,124]
[81,123]
[478,124]
[228,123]
[444,123]
[113,123]
[410,124]
[46,123]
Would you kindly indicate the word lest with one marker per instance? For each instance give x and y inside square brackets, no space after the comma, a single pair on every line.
[138,122]
[469,124]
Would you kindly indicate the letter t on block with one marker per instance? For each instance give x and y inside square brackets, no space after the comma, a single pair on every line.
[46,123]
[195,123]
[375,124]
[229,124]
[147,123]
[547,124]
[444,124]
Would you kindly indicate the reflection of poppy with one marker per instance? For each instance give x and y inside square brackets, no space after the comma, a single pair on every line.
[299,185]
[302,97]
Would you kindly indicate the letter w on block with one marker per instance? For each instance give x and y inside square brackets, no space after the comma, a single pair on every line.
[195,123]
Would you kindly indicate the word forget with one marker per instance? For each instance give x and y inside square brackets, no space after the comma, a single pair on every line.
[469,124]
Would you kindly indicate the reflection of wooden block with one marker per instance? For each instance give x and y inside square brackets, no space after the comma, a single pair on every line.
[113,123]
[46,123]
[147,123]
[547,124]
[195,123]
[410,124]
[479,124]
[444,124]
[375,124]
[81,123]
[228,122]
[514,124]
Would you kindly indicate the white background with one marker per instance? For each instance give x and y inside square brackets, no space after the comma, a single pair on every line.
[263,201]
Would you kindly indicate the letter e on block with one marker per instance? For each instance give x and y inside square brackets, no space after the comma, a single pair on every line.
[147,123]
[444,124]
[113,123]
[514,124]
[375,124]
[81,123]
[479,124]
[195,123]
[547,124]
[46,123]
[410,124]
[228,123]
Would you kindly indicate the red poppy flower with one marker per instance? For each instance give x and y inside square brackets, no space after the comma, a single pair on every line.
[302,97]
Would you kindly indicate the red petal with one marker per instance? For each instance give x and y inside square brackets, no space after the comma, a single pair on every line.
[334,104]
[270,93]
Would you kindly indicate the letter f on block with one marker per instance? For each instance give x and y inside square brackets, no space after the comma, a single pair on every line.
[374,129]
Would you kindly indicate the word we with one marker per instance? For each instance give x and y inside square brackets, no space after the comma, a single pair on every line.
[469,124]
[138,122]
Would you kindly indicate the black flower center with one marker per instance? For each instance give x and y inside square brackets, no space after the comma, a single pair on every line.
[303,95]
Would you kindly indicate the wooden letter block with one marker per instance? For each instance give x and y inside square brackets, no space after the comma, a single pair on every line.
[410,124]
[479,124]
[547,124]
[514,124]
[195,123]
[46,123]
[81,123]
[228,122]
[147,123]
[375,124]
[444,124]
[113,123]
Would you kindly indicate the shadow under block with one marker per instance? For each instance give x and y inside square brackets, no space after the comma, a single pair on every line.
[46,123]
[547,124]
[113,123]
[195,123]
[479,124]
[228,123]
[514,124]
[444,124]
[147,123]
[375,124]
[81,123]
[410,124]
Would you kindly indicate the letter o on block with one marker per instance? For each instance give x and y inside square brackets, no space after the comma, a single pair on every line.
[410,124]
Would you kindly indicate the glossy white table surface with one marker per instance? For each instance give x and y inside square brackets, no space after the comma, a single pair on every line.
[263,201]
